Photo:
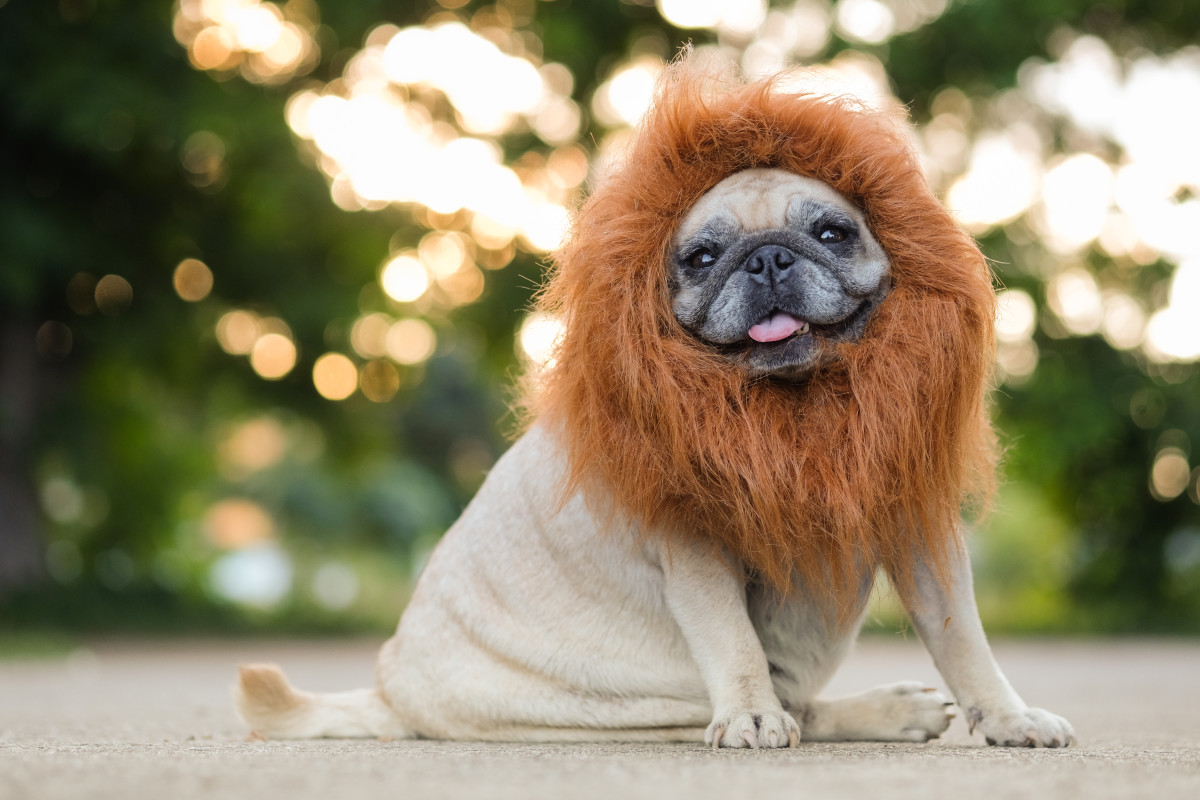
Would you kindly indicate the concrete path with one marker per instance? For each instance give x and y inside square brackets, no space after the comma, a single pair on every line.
[150,719]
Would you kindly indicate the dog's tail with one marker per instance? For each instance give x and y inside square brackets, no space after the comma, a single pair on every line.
[275,710]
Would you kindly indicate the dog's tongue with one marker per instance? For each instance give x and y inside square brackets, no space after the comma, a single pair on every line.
[775,327]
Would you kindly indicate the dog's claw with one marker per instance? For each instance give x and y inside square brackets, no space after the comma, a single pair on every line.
[718,735]
[755,729]
[1027,727]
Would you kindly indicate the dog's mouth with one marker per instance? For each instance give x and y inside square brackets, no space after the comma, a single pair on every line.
[788,346]
[779,327]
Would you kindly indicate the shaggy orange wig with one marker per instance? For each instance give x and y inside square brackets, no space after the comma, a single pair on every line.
[869,460]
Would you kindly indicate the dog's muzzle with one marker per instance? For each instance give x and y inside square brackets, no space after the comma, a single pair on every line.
[768,262]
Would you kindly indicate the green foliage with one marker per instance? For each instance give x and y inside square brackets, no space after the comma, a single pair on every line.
[977,45]
[1075,438]
[99,110]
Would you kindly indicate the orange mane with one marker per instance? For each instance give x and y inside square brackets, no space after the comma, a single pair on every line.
[868,461]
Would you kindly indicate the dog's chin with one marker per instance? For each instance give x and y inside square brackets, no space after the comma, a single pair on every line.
[792,359]
[796,357]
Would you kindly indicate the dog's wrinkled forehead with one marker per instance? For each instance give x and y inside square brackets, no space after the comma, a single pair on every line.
[760,199]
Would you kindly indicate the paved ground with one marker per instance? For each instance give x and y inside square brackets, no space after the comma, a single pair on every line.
[128,720]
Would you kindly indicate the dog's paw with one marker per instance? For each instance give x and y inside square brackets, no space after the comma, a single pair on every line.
[753,729]
[1022,727]
[909,711]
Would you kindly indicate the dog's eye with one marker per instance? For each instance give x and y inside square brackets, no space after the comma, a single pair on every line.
[702,258]
[832,234]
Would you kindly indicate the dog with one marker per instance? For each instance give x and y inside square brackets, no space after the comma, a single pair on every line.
[770,386]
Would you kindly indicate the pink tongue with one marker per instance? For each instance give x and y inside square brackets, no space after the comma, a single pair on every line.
[775,327]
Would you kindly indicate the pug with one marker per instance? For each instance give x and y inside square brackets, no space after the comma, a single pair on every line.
[560,619]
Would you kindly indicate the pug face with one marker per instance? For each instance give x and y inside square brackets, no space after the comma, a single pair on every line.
[769,266]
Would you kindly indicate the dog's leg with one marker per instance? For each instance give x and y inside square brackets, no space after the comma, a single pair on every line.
[707,598]
[947,620]
[804,643]
[900,712]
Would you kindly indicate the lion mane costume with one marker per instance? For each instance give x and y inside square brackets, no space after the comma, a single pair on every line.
[867,461]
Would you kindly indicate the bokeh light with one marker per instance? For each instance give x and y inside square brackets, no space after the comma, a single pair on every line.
[691,13]
[868,21]
[411,341]
[567,167]
[738,17]
[1076,195]
[1016,361]
[113,295]
[538,337]
[203,158]
[443,252]
[486,86]
[368,335]
[265,42]
[1016,315]
[53,340]
[1173,333]
[252,446]
[379,381]
[335,376]
[1170,474]
[1124,322]
[380,146]
[1001,182]
[404,278]
[62,499]
[212,48]
[809,28]
[546,226]
[236,522]
[259,576]
[193,280]
[81,293]
[1075,298]
[624,98]
[273,356]
[237,331]
[851,72]
[1138,207]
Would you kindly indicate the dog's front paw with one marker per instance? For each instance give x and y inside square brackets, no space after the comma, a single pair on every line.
[1022,727]
[753,729]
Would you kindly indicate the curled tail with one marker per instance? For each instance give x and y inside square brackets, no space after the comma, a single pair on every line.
[272,707]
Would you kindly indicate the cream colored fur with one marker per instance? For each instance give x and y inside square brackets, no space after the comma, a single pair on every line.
[535,622]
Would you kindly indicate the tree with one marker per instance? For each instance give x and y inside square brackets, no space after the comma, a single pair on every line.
[139,139]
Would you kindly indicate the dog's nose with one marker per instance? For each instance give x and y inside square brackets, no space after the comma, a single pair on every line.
[769,257]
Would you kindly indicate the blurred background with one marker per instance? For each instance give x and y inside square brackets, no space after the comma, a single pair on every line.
[265,272]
